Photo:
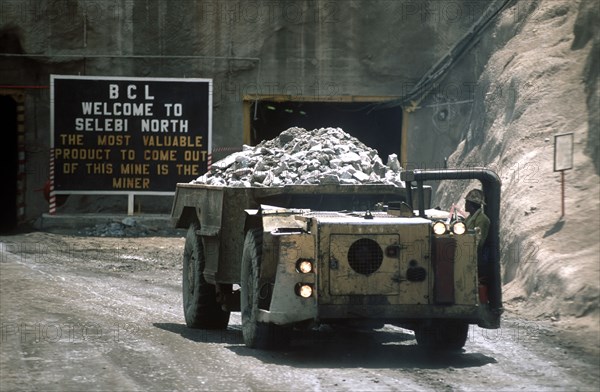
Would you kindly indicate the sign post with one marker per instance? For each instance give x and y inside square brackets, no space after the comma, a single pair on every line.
[563,160]
[128,135]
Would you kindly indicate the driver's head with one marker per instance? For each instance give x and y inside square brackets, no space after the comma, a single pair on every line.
[474,200]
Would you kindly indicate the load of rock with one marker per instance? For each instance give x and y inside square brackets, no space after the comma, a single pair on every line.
[298,156]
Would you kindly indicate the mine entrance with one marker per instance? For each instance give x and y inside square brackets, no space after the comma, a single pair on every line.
[9,170]
[381,129]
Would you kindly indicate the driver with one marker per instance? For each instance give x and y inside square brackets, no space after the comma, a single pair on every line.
[474,202]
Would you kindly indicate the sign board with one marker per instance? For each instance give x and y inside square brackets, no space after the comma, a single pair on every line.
[563,152]
[128,135]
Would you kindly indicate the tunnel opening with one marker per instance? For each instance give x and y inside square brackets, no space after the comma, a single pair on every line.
[381,129]
[10,163]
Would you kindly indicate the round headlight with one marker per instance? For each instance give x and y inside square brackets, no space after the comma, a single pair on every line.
[459,228]
[439,228]
[304,266]
[304,290]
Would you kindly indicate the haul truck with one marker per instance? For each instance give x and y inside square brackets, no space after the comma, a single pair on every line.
[297,256]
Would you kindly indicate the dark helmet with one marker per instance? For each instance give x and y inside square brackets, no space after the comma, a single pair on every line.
[476,196]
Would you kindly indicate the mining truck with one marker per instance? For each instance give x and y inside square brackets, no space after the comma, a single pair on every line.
[298,256]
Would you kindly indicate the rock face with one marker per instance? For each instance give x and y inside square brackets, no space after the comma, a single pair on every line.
[298,156]
[538,74]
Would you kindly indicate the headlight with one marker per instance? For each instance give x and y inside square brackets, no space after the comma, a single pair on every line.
[439,228]
[304,266]
[304,290]
[459,228]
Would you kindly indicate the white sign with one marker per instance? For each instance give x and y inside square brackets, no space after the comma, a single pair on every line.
[563,151]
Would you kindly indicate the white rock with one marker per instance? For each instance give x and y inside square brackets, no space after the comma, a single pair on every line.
[350,157]
[297,156]
[393,162]
[316,146]
[360,176]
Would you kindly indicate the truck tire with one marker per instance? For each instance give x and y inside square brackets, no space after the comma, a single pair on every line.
[200,305]
[448,335]
[256,334]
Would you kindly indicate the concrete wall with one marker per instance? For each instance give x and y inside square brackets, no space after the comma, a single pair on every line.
[307,48]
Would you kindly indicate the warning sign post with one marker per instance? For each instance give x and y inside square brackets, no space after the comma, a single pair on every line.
[119,135]
[563,160]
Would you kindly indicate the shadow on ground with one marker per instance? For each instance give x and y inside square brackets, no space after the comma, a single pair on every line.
[554,229]
[338,348]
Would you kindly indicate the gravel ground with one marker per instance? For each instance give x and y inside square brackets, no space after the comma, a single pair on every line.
[103,313]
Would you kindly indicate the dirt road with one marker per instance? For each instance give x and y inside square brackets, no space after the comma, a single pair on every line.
[83,313]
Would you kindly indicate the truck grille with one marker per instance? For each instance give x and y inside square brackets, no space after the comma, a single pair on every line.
[365,256]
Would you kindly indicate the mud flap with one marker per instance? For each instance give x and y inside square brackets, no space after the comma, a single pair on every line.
[443,265]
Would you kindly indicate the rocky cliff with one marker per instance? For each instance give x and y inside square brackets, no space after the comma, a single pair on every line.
[541,80]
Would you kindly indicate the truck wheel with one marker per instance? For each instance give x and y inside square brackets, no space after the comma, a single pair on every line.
[200,305]
[448,335]
[256,334]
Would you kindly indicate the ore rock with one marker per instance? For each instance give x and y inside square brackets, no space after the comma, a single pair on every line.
[393,163]
[298,156]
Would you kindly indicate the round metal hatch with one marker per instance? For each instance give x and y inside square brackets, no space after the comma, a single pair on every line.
[365,256]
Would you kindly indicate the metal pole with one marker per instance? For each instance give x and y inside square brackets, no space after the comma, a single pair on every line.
[130,204]
[562,193]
